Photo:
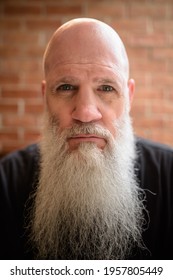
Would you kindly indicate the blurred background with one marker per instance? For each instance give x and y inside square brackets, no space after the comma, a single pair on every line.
[145,26]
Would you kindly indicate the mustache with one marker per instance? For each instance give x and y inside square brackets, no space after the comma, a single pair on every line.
[80,128]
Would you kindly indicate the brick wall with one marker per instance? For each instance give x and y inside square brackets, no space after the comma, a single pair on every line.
[146,27]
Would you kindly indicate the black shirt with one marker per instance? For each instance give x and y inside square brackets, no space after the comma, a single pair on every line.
[18,178]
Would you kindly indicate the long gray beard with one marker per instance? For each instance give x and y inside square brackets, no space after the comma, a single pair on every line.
[87,203]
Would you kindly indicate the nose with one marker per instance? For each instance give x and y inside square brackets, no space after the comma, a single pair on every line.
[86,107]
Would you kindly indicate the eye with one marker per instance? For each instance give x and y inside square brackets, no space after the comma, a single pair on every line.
[106,88]
[65,87]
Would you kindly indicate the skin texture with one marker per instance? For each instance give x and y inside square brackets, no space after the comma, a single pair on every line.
[86,78]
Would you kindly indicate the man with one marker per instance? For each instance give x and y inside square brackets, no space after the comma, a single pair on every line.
[91,189]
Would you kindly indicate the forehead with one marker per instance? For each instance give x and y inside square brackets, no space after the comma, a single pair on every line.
[85,46]
[86,73]
[82,56]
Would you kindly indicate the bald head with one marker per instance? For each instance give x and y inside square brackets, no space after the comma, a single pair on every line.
[86,41]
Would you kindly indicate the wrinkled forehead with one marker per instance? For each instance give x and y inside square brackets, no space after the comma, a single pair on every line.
[86,43]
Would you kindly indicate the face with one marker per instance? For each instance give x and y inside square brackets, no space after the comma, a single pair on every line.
[85,84]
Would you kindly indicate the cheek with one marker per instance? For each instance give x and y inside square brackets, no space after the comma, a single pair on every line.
[112,114]
[60,111]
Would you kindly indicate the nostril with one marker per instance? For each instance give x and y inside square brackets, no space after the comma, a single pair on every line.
[86,113]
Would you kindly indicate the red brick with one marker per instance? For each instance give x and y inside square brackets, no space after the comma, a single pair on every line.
[148,10]
[8,78]
[8,147]
[34,51]
[20,93]
[141,80]
[24,65]
[109,8]
[164,108]
[8,135]
[161,79]
[155,2]
[20,38]
[32,136]
[34,108]
[168,94]
[82,2]
[30,79]
[150,94]
[22,10]
[42,24]
[163,53]
[10,24]
[129,26]
[136,53]
[139,107]
[9,51]
[149,65]
[150,123]
[8,108]
[19,121]
[64,9]
[170,66]
[163,136]
[148,40]
[163,26]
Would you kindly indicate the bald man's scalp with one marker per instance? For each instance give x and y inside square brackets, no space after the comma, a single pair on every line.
[83,38]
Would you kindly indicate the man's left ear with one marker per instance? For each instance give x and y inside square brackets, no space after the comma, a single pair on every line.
[131,90]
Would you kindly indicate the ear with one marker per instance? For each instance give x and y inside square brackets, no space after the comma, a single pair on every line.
[43,88]
[131,89]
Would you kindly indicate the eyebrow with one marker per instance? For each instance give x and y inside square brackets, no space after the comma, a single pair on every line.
[67,79]
[97,79]
[104,80]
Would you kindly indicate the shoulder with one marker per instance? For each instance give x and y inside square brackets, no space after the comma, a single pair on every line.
[149,145]
[18,170]
[154,164]
[154,152]
[155,171]
[18,173]
[23,155]
[20,161]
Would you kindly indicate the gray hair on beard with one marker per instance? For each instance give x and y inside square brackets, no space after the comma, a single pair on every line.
[87,203]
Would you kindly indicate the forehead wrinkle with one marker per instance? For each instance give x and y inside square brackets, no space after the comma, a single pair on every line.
[49,65]
[59,66]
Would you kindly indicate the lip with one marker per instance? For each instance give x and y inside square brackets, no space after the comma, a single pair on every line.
[85,136]
[74,141]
